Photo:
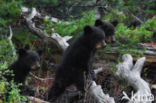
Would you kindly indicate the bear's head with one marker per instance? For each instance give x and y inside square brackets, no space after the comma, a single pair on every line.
[108,28]
[29,58]
[95,37]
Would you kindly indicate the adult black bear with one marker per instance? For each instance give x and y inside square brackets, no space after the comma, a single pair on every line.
[76,60]
[108,28]
[27,60]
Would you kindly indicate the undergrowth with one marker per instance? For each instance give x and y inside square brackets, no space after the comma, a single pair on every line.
[8,88]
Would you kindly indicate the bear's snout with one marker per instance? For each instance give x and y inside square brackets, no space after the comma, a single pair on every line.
[35,66]
[101,45]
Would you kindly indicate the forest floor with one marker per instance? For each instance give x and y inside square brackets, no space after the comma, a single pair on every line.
[110,83]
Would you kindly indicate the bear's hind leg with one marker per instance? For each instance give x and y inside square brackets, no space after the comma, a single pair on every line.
[56,90]
[79,83]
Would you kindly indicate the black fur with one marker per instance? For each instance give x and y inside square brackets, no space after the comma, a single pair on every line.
[154,36]
[27,60]
[108,28]
[76,60]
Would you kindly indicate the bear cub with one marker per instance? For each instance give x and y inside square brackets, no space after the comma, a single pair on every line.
[76,61]
[27,60]
[108,28]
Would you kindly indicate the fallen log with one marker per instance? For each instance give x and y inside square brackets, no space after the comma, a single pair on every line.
[132,74]
[147,51]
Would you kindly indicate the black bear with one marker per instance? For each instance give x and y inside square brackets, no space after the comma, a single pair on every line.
[27,60]
[76,61]
[154,36]
[108,28]
[135,23]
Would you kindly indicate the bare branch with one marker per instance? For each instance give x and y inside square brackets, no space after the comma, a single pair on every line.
[55,39]
[41,79]
[62,41]
[138,19]
[98,70]
[53,19]
[36,100]
[10,41]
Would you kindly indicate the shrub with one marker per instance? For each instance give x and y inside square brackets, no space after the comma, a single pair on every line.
[75,27]
[9,88]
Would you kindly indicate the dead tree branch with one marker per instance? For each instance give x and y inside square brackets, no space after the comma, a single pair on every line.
[97,92]
[138,19]
[132,73]
[41,79]
[35,100]
[10,41]
[58,41]
[98,70]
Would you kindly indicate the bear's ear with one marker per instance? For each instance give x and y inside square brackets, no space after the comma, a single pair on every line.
[115,23]
[98,22]
[27,47]
[21,52]
[40,51]
[87,29]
